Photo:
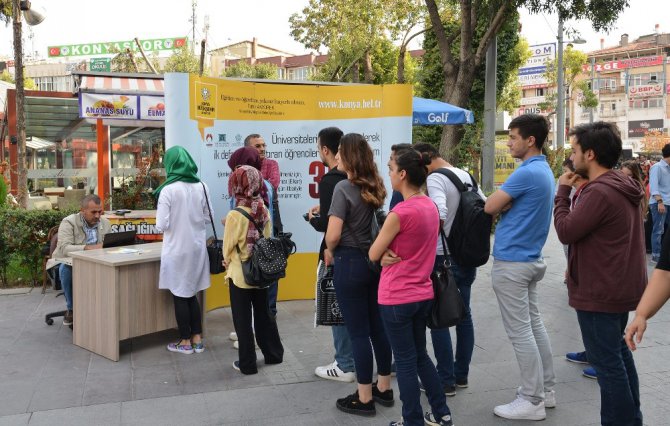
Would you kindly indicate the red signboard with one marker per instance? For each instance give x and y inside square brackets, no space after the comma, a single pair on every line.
[645,61]
[645,91]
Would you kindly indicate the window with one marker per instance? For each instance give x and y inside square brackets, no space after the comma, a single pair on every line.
[644,79]
[301,73]
[539,92]
[656,102]
[54,84]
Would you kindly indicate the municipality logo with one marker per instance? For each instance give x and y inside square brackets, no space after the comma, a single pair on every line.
[204,92]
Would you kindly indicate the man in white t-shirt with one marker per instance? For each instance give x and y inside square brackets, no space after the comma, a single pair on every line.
[453,372]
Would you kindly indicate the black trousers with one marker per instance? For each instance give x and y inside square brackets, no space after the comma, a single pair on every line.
[244,304]
[189,319]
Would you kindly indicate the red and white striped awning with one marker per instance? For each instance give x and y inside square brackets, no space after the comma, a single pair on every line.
[125,84]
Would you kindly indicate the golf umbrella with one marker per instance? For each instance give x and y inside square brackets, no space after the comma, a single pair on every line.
[432,112]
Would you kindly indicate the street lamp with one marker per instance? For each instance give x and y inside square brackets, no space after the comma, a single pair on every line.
[560,113]
[33,17]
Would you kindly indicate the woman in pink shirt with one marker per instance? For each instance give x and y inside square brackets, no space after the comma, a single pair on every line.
[409,238]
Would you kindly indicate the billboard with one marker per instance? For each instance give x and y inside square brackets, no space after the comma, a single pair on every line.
[639,128]
[645,91]
[621,64]
[532,72]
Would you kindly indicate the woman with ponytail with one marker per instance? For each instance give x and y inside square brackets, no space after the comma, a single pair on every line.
[406,289]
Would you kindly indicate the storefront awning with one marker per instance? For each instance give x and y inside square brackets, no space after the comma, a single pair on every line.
[89,83]
[37,143]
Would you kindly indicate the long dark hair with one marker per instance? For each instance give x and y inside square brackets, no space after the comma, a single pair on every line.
[634,168]
[414,164]
[357,159]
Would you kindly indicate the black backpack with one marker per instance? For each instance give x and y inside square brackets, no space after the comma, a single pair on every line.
[469,240]
[268,260]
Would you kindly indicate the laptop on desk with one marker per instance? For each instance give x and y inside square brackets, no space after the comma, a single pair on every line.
[117,239]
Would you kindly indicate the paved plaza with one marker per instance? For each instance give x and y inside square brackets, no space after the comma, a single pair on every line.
[46,380]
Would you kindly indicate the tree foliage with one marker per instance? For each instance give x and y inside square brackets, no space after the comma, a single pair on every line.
[243,69]
[28,83]
[512,52]
[5,11]
[464,39]
[183,60]
[572,65]
[352,30]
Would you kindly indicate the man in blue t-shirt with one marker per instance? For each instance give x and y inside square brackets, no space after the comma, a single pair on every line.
[524,202]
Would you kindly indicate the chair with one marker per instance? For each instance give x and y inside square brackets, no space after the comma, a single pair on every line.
[52,276]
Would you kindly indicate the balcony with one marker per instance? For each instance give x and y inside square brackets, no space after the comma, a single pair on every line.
[612,113]
[618,90]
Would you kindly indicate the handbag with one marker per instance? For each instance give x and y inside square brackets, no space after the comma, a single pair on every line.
[448,308]
[269,257]
[215,246]
[327,309]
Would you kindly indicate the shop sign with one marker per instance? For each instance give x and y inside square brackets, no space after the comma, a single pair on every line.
[532,109]
[532,76]
[96,105]
[532,100]
[638,129]
[109,48]
[645,91]
[152,108]
[646,61]
[60,173]
[101,64]
[540,55]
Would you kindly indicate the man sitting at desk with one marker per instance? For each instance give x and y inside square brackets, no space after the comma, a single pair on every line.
[79,231]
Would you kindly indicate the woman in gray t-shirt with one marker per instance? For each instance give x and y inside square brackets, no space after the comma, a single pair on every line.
[347,244]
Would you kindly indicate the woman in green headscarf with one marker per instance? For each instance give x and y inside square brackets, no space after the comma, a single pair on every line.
[183,217]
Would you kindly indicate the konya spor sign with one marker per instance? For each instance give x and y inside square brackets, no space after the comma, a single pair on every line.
[113,47]
[211,117]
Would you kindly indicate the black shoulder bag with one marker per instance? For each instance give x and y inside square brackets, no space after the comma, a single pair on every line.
[215,246]
[448,307]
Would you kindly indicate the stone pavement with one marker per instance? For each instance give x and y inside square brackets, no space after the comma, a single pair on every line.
[45,380]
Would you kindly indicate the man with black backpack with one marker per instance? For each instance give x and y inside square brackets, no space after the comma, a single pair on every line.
[446,185]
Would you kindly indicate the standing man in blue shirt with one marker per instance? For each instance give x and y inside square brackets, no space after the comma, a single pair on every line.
[659,190]
[524,202]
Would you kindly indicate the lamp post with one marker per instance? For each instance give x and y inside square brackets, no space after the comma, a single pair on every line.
[33,17]
[560,107]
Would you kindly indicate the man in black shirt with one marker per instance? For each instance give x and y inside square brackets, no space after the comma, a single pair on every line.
[342,369]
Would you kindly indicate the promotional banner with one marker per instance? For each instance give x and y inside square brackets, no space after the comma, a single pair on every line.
[98,105]
[531,74]
[621,64]
[152,108]
[504,163]
[114,47]
[645,91]
[211,118]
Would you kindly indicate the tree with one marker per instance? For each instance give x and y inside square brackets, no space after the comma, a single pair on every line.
[245,70]
[28,83]
[464,39]
[5,11]
[572,65]
[351,30]
[183,60]
[512,52]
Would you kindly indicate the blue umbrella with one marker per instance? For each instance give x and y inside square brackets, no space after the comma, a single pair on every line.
[432,112]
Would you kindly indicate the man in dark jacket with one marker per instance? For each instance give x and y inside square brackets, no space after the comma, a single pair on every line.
[606,263]
[342,369]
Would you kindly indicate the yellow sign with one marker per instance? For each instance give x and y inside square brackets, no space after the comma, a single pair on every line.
[504,164]
[218,99]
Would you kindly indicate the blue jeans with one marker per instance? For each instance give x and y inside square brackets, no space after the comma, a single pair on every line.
[272,297]
[659,222]
[356,290]
[344,355]
[65,272]
[602,334]
[406,328]
[449,370]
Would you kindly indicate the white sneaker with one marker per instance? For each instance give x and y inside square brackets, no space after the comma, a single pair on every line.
[521,409]
[550,399]
[236,345]
[333,372]
[233,336]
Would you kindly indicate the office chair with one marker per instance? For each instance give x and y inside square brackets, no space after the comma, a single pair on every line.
[52,275]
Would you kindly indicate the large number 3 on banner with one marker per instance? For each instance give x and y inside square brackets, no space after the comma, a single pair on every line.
[316,169]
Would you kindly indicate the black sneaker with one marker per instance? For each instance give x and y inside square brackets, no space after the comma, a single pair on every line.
[384,398]
[462,383]
[450,390]
[352,405]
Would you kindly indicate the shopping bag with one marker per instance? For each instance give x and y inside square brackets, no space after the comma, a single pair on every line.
[327,308]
